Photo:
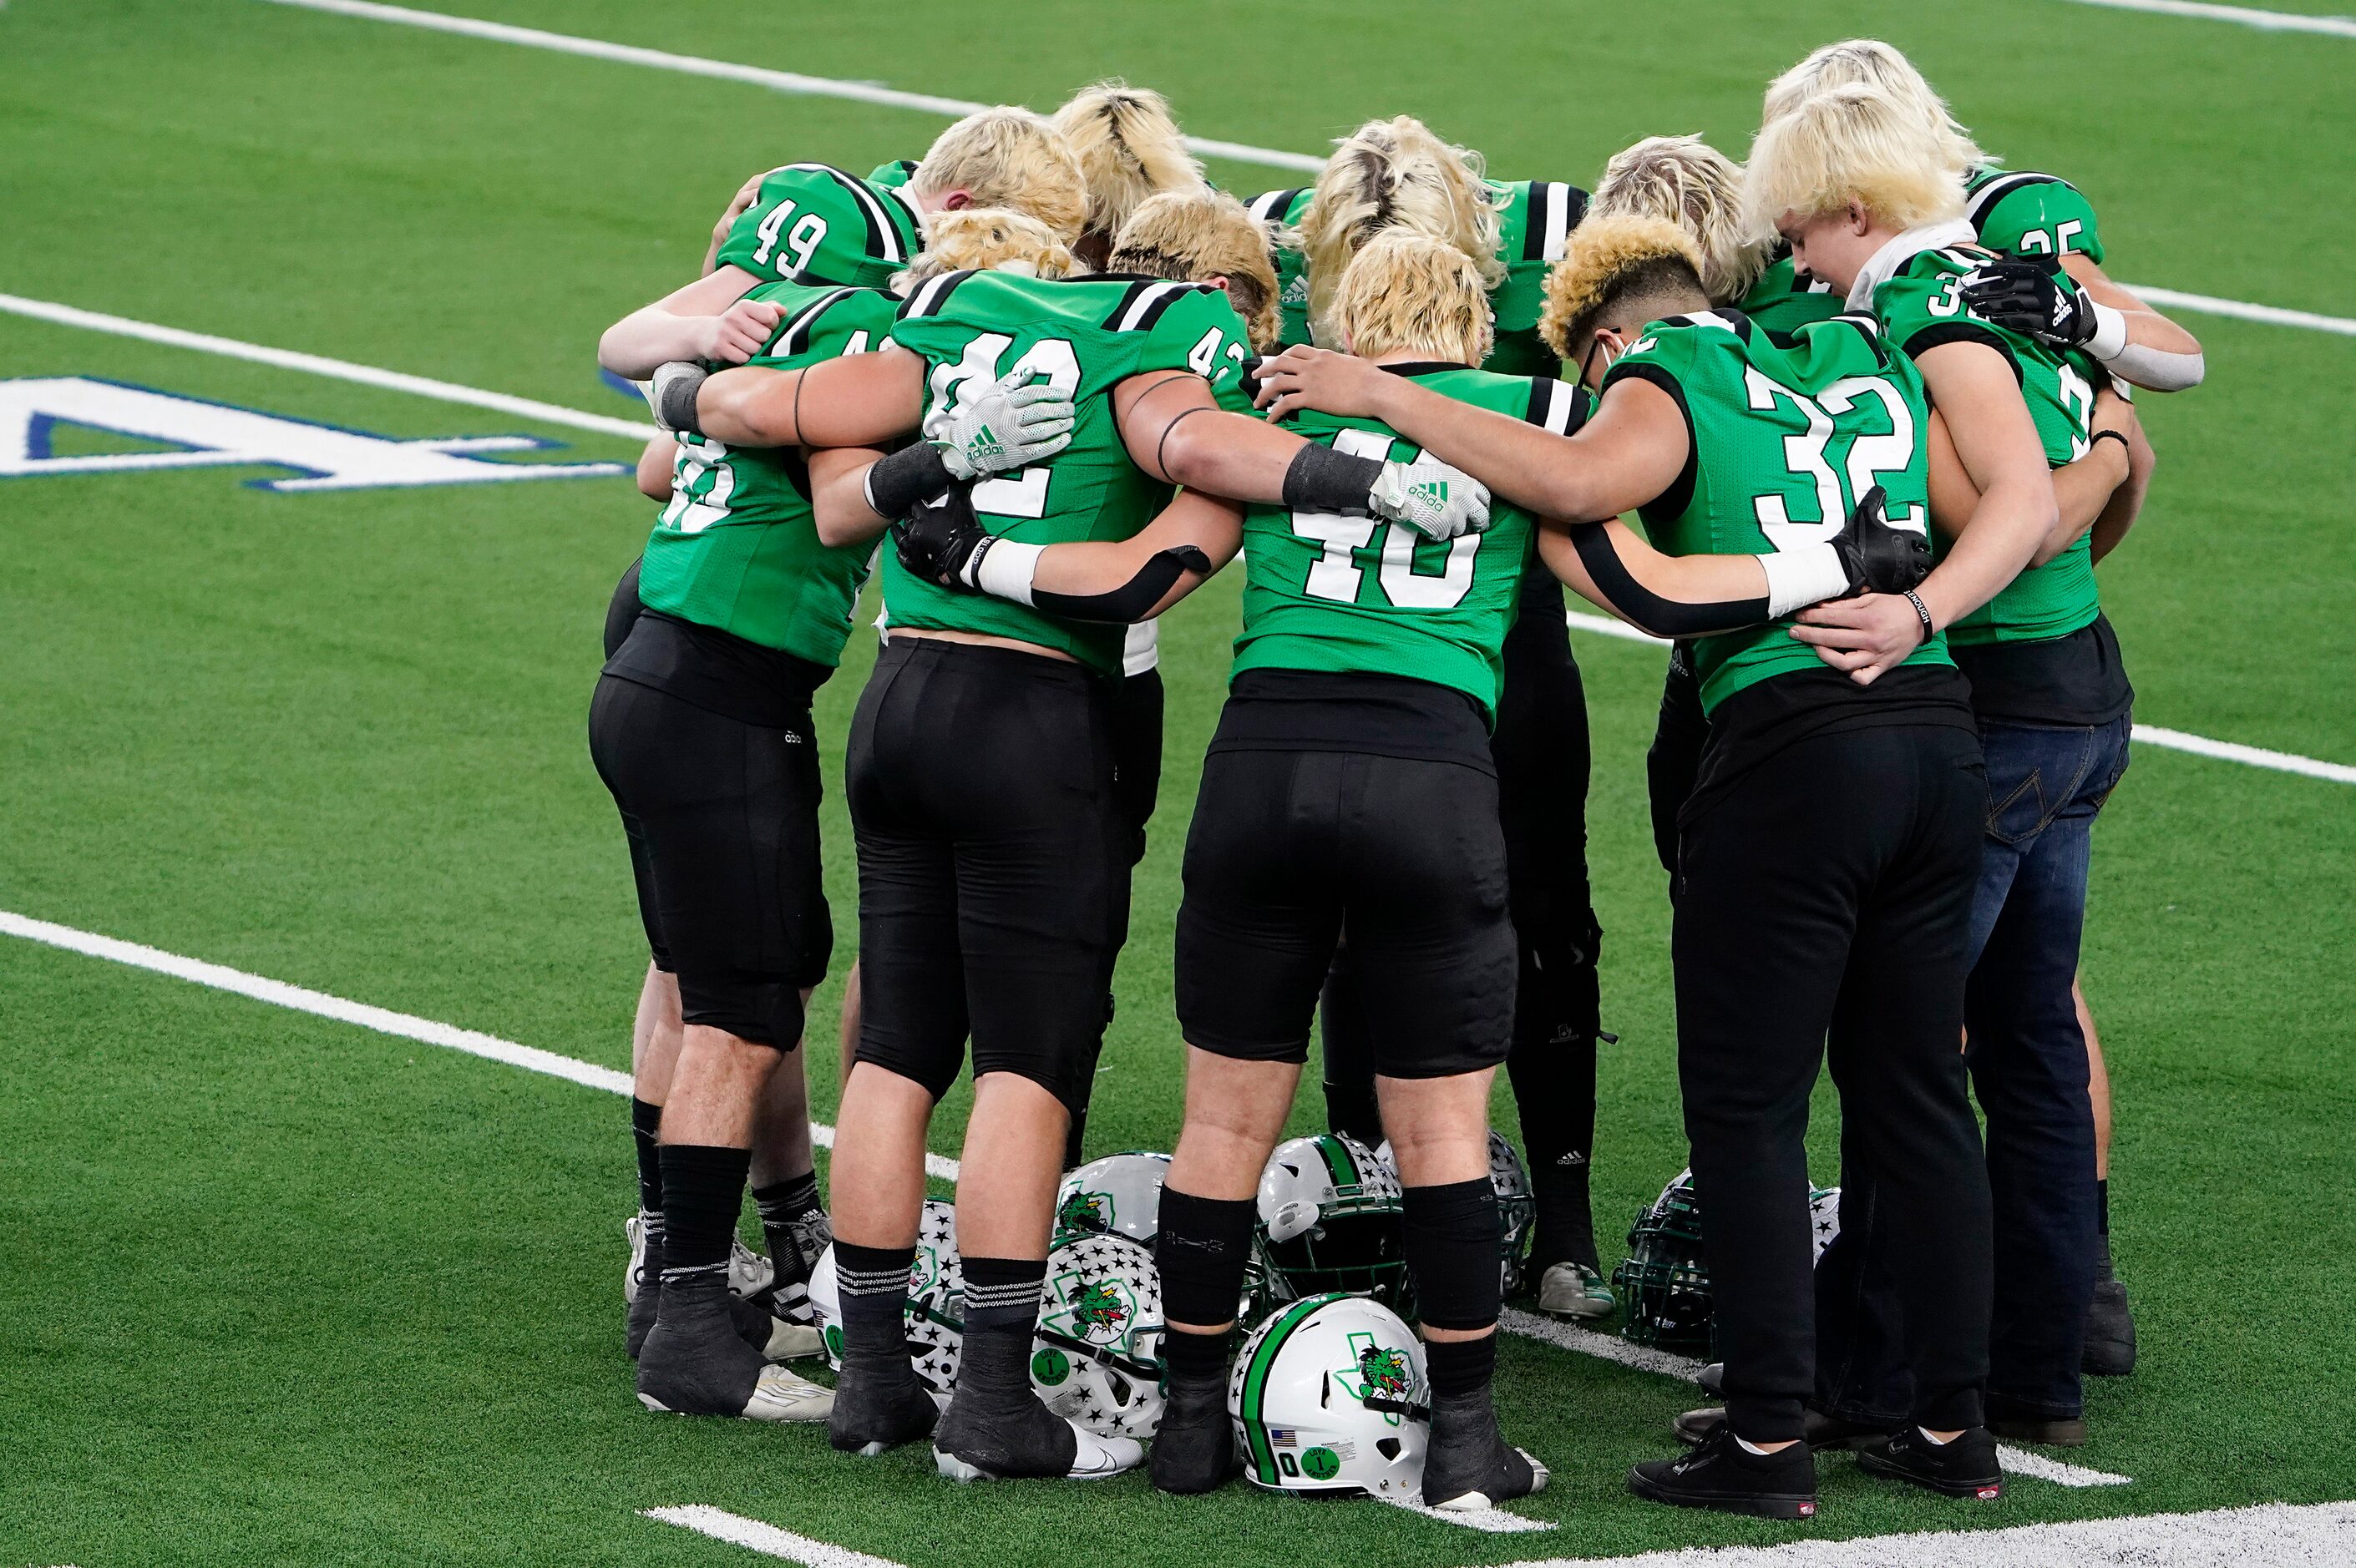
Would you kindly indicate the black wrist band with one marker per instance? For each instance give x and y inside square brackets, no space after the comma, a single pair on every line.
[898,484]
[1320,479]
[678,393]
[1929,631]
[2119,436]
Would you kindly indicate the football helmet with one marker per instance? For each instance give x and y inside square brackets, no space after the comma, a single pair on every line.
[749,1274]
[1665,1279]
[1097,1356]
[1329,1396]
[1517,1204]
[1120,1192]
[1823,1217]
[1328,1220]
[936,1309]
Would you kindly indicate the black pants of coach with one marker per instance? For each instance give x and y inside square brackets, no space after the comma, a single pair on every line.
[1826,897]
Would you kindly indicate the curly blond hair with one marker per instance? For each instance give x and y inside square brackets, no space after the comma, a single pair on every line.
[1008,156]
[1199,235]
[1694,186]
[1405,292]
[1130,148]
[1611,258]
[1394,173]
[1855,143]
[1877,64]
[986,237]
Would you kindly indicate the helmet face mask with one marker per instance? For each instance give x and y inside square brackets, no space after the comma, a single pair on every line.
[1329,1396]
[1328,1220]
[1665,1279]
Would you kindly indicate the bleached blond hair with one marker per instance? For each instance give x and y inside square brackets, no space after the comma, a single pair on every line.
[1612,257]
[1405,292]
[986,237]
[1856,143]
[1130,148]
[1694,186]
[1877,64]
[1394,173]
[1199,235]
[1009,157]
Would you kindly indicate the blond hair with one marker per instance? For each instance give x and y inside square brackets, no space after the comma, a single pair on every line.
[1128,146]
[1849,143]
[1405,292]
[974,238]
[1199,235]
[1609,258]
[1876,64]
[1009,157]
[1395,173]
[1694,186]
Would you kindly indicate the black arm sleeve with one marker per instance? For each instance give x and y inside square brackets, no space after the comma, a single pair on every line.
[1133,601]
[898,484]
[1320,479]
[1662,617]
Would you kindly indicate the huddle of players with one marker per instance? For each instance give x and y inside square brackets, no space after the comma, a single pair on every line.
[1353,835]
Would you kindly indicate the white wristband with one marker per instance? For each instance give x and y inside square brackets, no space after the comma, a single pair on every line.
[2110,332]
[1006,569]
[1799,578]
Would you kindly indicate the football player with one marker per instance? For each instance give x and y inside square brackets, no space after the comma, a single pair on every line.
[992,855]
[1355,737]
[2052,702]
[1397,174]
[2052,286]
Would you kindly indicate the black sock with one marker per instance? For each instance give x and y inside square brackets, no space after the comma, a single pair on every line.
[1460,1366]
[2103,1206]
[1001,1308]
[1196,1358]
[646,1125]
[781,1204]
[1566,1217]
[1449,1233]
[873,1284]
[703,1188]
[1203,1249]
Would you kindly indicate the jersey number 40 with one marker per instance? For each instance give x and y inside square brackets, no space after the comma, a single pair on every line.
[1335,573]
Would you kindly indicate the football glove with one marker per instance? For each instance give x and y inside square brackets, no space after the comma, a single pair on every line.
[943,542]
[1010,425]
[1876,557]
[1429,495]
[670,394]
[2033,295]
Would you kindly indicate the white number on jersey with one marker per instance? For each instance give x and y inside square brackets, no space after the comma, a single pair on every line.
[1832,411]
[2038,242]
[2078,402]
[1023,493]
[701,482]
[1335,573]
[802,242]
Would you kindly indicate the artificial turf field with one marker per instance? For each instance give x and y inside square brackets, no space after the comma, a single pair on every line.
[285,1290]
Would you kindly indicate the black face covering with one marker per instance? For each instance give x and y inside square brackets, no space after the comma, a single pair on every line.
[1588,362]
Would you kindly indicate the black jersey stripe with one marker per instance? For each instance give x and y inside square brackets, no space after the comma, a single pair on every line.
[1271,206]
[934,292]
[795,339]
[1554,406]
[1142,304]
[882,236]
[1996,190]
[1554,209]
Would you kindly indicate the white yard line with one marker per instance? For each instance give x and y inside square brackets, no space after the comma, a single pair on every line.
[765,1539]
[730,71]
[2273,315]
[2272,21]
[1489,1520]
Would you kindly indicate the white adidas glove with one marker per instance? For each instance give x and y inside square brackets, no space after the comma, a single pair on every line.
[1428,493]
[1015,423]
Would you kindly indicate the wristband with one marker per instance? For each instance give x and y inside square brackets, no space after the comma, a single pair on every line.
[671,392]
[1320,479]
[1929,631]
[1003,568]
[2119,436]
[2110,332]
[897,484]
[1799,578]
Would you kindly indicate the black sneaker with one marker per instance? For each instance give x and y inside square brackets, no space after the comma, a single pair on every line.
[1721,1473]
[1965,1468]
[1822,1432]
[694,1362]
[878,1406]
[1712,1379]
[2110,1349]
[1195,1446]
[1469,1465]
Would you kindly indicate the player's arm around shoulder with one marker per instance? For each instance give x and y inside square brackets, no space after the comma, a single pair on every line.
[865,399]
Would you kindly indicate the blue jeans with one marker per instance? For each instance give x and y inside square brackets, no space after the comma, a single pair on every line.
[2027,1061]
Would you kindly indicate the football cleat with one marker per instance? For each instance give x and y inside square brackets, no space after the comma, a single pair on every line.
[877,1408]
[1468,1466]
[1575,1291]
[749,1273]
[1026,1442]
[1195,1445]
[696,1362]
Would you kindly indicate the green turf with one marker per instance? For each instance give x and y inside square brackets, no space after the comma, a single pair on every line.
[288,1291]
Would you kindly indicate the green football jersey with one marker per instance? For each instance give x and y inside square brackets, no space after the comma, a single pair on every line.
[1922,306]
[1784,442]
[1084,336]
[1537,216]
[2030,214]
[1782,300]
[894,174]
[1360,596]
[737,548]
[814,224]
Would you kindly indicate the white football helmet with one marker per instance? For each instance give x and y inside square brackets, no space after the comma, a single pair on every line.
[1517,1203]
[1329,1219]
[1120,1192]
[1329,1395]
[1823,1216]
[935,1311]
[1098,1359]
[749,1273]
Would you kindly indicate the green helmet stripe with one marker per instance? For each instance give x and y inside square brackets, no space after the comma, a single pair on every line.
[1263,1457]
[1340,1163]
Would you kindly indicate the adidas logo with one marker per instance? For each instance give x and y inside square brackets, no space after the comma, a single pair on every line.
[1297,290]
[986,444]
[1432,490]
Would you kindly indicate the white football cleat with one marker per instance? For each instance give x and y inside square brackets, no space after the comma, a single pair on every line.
[1094,1458]
[778,1395]
[1574,1290]
[1477,1503]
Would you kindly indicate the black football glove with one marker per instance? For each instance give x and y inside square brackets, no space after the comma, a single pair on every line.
[1878,557]
[2033,296]
[943,542]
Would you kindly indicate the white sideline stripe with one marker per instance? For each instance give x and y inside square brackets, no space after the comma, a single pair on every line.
[2318,1535]
[2145,734]
[382,1019]
[1489,1520]
[730,71]
[766,1538]
[318,365]
[1611,1348]
[2271,21]
[2273,315]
